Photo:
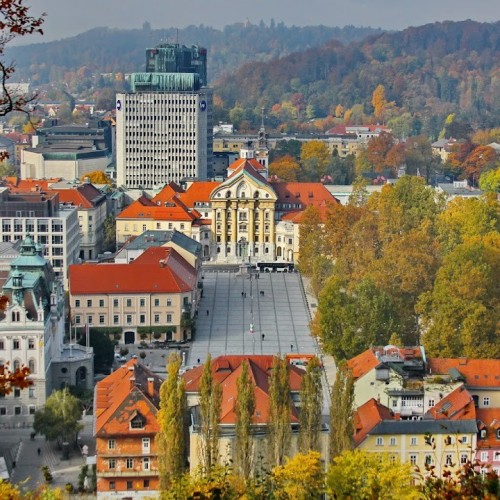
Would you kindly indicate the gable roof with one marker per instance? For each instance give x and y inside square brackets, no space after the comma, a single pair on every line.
[363,363]
[475,372]
[241,161]
[456,405]
[227,369]
[121,395]
[246,167]
[157,270]
[158,238]
[367,417]
[305,193]
[144,208]
[198,191]
[488,419]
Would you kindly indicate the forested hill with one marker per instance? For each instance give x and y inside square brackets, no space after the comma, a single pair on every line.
[104,50]
[430,71]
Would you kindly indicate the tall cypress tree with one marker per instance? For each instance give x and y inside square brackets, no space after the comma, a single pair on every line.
[171,439]
[210,410]
[245,407]
[279,412]
[311,398]
[342,412]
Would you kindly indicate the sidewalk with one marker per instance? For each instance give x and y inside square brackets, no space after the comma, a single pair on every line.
[28,461]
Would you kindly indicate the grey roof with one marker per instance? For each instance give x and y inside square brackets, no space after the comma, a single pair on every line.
[451,189]
[433,426]
[159,238]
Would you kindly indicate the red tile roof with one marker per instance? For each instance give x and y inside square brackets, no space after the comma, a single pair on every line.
[157,270]
[121,395]
[458,405]
[198,191]
[489,420]
[17,185]
[477,372]
[227,369]
[367,417]
[363,363]
[249,168]
[171,210]
[168,192]
[251,161]
[306,193]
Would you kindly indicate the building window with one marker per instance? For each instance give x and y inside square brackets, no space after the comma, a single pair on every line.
[116,319]
[157,302]
[129,319]
[90,319]
[111,463]
[31,365]
[146,443]
[78,320]
[142,318]
[380,441]
[145,463]
[17,410]
[486,401]
[101,319]
[484,456]
[157,318]
[89,303]
[463,458]
[428,459]
[169,302]
[413,459]
[111,444]
[16,344]
[137,422]
[129,485]
[31,343]
[112,485]
[2,345]
[142,302]
[169,318]
[3,410]
[17,393]
[449,459]
[31,410]
[77,303]
[146,483]
[413,441]
[129,302]
[115,302]
[130,463]
[392,441]
[31,392]
[464,439]
[101,302]
[182,226]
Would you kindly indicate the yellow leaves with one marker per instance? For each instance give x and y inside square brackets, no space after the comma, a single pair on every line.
[379,101]
[97,177]
[301,478]
[285,168]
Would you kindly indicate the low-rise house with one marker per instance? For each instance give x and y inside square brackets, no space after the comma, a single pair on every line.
[125,426]
[158,292]
[488,440]
[226,370]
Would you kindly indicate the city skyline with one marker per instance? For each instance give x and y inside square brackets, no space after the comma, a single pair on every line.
[71,18]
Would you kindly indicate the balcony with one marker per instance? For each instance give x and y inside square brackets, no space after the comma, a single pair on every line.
[127,473]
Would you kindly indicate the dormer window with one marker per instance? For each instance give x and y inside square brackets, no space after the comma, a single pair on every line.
[498,433]
[138,421]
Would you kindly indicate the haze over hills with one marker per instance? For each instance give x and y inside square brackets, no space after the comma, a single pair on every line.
[430,71]
[105,50]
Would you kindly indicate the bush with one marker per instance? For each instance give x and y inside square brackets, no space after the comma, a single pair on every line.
[142,355]
[123,351]
[157,335]
[69,487]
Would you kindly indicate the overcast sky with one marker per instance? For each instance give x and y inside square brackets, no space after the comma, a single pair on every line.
[70,17]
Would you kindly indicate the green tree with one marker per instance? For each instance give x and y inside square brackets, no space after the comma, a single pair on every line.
[314,157]
[210,410]
[360,475]
[279,412]
[311,399]
[310,239]
[300,478]
[490,180]
[342,412]
[245,407]
[59,419]
[7,169]
[171,438]
[359,195]
[103,349]
[109,233]
[460,314]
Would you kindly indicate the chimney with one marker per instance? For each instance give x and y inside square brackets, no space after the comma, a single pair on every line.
[151,387]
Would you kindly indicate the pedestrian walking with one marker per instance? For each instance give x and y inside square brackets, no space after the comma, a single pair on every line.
[291,347]
[39,451]
[208,312]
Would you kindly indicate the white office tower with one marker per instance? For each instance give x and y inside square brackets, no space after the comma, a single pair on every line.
[164,126]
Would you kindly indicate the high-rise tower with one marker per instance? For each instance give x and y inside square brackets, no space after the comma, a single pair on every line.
[164,125]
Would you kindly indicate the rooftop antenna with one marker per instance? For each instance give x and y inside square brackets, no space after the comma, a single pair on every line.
[262,117]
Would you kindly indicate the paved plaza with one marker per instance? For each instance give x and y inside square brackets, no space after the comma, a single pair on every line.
[274,303]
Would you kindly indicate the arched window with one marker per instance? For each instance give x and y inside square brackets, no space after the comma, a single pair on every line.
[31,365]
[256,195]
[17,365]
[228,194]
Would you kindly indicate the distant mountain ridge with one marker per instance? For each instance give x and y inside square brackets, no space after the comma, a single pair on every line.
[106,50]
[430,70]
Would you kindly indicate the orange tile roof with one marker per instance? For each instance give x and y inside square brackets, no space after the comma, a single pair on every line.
[157,270]
[241,161]
[367,417]
[17,185]
[306,193]
[227,369]
[363,363]
[489,420]
[248,167]
[198,191]
[457,405]
[477,372]
[118,399]
[168,192]
[172,210]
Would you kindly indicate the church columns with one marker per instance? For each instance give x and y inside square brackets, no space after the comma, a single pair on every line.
[261,234]
[251,229]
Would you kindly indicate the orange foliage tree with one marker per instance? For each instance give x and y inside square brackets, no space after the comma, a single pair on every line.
[97,177]
[285,168]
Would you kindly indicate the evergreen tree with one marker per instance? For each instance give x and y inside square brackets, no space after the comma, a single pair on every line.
[171,439]
[279,412]
[311,398]
[210,409]
[245,407]
[342,412]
